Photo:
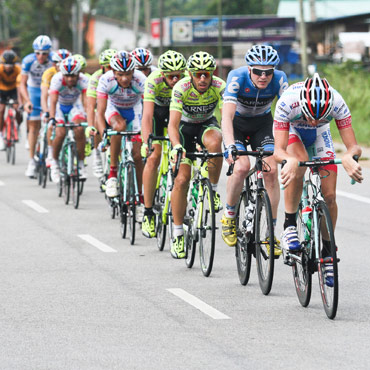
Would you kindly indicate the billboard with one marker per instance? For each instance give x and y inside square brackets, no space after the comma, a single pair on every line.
[204,30]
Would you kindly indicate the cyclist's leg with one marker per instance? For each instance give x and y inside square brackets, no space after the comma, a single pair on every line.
[34,119]
[78,115]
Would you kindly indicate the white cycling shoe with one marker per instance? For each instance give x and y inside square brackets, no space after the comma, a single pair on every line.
[111,189]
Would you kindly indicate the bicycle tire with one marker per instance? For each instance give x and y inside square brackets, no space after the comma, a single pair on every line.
[66,188]
[302,275]
[122,207]
[8,152]
[13,154]
[159,208]
[264,242]
[75,177]
[45,176]
[131,198]
[329,294]
[243,253]
[207,230]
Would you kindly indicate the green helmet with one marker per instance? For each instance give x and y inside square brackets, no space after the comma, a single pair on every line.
[171,61]
[105,56]
[201,61]
[81,59]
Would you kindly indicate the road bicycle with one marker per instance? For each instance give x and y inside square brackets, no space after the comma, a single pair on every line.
[164,185]
[254,225]
[128,193]
[70,180]
[318,252]
[199,221]
[10,131]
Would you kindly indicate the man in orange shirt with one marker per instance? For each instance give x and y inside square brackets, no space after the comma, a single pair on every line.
[9,72]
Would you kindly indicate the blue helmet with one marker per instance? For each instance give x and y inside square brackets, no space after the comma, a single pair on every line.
[262,55]
[42,42]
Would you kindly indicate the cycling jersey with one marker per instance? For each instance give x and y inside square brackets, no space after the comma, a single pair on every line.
[197,107]
[251,101]
[156,89]
[93,83]
[34,70]
[9,81]
[123,98]
[47,76]
[68,95]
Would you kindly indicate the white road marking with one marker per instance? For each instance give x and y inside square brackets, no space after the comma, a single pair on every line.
[353,196]
[2,183]
[96,243]
[35,206]
[197,303]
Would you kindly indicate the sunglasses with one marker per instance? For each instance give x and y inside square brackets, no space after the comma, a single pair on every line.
[260,72]
[179,76]
[41,52]
[201,74]
[143,69]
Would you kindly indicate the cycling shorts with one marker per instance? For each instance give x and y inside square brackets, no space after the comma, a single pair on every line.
[257,131]
[192,134]
[35,97]
[318,143]
[131,115]
[75,112]
[6,95]
[160,119]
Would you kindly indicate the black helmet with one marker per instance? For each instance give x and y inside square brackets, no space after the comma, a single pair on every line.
[9,57]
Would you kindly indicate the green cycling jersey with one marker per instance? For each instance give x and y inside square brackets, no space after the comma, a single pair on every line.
[156,90]
[197,107]
[93,83]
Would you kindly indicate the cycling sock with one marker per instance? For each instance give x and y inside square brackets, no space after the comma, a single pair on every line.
[50,151]
[112,172]
[178,230]
[81,163]
[290,220]
[230,211]
[148,211]
[214,187]
[274,222]
[141,198]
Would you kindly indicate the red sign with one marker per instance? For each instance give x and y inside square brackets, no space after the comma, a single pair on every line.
[155,28]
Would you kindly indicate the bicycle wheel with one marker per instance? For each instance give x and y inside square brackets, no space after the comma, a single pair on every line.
[264,242]
[159,208]
[131,198]
[190,241]
[329,288]
[75,177]
[243,252]
[301,273]
[207,228]
[13,153]
[66,188]
[122,207]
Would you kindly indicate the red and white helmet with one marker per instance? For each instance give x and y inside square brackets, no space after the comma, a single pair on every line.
[123,61]
[143,57]
[70,66]
[59,55]
[316,98]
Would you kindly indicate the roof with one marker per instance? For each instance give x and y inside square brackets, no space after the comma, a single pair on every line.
[325,9]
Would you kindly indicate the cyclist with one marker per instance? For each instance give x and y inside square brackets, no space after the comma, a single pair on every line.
[104,59]
[143,59]
[82,60]
[120,104]
[194,99]
[302,130]
[9,72]
[157,98]
[66,90]
[249,94]
[57,57]
[33,66]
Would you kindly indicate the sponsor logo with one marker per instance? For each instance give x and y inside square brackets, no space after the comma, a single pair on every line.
[233,86]
[294,105]
[247,90]
[327,139]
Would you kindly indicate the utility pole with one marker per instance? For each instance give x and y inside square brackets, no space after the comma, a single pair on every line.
[79,28]
[160,27]
[219,10]
[313,10]
[302,27]
[147,20]
[136,22]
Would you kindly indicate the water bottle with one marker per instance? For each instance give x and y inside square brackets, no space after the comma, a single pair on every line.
[307,219]
[249,211]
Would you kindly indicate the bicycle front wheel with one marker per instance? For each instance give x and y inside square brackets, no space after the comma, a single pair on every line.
[264,241]
[207,228]
[159,207]
[301,272]
[327,262]
[122,207]
[131,198]
[75,177]
[243,253]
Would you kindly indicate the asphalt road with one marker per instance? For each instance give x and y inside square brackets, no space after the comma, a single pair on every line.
[68,304]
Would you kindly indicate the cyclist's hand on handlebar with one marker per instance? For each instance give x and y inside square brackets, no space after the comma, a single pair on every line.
[144,150]
[90,131]
[231,154]
[289,171]
[28,107]
[52,122]
[352,167]
[174,152]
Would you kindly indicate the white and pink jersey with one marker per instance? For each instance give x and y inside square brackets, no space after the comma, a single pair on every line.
[68,95]
[289,114]
[121,98]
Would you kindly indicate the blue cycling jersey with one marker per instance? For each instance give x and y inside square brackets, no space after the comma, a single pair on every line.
[250,101]
[34,70]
